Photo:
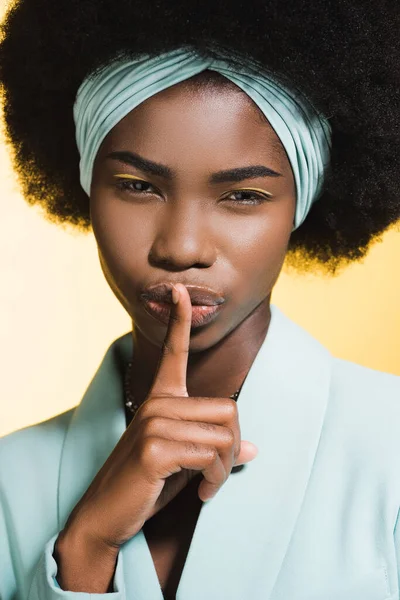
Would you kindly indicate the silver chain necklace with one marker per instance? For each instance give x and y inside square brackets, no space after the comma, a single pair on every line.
[130,399]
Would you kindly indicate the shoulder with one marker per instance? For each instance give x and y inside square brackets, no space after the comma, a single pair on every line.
[363,387]
[364,413]
[362,417]
[33,449]
[368,397]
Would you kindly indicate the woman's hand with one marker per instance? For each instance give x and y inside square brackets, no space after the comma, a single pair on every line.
[172,438]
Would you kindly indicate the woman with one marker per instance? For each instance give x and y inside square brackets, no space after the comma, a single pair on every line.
[219,451]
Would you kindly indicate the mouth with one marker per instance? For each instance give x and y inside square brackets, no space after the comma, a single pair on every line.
[199,295]
[206,302]
[201,315]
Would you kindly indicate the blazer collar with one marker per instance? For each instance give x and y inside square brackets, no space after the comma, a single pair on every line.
[243,533]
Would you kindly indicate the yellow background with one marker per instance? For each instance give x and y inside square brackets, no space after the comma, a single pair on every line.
[58,316]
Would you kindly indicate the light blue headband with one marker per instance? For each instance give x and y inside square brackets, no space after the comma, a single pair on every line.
[106,97]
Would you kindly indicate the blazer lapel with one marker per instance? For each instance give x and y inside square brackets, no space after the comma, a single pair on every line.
[243,533]
[97,424]
[95,429]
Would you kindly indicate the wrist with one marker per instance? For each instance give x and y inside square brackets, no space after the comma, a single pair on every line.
[81,539]
[85,563]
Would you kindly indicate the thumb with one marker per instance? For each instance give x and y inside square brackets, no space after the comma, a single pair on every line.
[248,451]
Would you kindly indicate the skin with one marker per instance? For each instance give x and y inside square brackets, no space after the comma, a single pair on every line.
[186,229]
[147,481]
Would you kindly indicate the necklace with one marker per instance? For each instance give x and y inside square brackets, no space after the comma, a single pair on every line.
[130,399]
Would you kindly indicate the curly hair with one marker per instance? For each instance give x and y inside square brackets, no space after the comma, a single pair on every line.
[344,55]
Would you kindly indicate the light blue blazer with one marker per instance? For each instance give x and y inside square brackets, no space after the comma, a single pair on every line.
[312,517]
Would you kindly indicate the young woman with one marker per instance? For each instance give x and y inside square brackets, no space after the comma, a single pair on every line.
[219,452]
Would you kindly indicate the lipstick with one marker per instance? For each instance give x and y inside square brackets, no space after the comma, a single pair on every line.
[201,315]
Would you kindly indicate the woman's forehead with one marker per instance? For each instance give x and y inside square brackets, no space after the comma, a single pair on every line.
[219,121]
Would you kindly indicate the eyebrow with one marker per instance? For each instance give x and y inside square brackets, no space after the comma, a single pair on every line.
[230,175]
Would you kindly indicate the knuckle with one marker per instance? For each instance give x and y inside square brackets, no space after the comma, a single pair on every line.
[145,410]
[191,447]
[174,318]
[151,448]
[231,408]
[236,451]
[208,453]
[228,438]
[212,455]
[167,347]
[151,425]
[207,426]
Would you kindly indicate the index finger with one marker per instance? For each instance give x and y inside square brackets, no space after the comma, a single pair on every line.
[170,378]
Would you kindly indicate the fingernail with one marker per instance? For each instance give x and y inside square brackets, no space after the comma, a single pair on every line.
[209,498]
[255,449]
[175,295]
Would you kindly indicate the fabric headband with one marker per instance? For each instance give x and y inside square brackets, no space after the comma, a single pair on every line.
[106,97]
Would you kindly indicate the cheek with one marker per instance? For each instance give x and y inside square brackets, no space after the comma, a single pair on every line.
[260,251]
[109,226]
[120,243]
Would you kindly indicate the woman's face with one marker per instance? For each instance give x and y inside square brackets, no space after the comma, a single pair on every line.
[211,204]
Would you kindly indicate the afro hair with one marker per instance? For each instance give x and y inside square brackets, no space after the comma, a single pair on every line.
[344,55]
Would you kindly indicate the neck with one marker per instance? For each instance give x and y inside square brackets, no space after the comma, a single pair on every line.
[217,371]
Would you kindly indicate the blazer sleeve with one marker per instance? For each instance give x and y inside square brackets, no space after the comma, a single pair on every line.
[397,545]
[15,584]
[45,586]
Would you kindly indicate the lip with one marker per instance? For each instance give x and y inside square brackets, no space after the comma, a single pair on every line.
[199,295]
[201,315]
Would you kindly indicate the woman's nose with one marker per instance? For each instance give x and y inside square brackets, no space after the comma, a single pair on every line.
[183,238]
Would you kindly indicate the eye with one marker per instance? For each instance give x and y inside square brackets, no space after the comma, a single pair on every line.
[136,186]
[247,196]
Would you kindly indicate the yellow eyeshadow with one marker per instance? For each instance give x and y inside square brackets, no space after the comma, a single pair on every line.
[128,176]
[248,190]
